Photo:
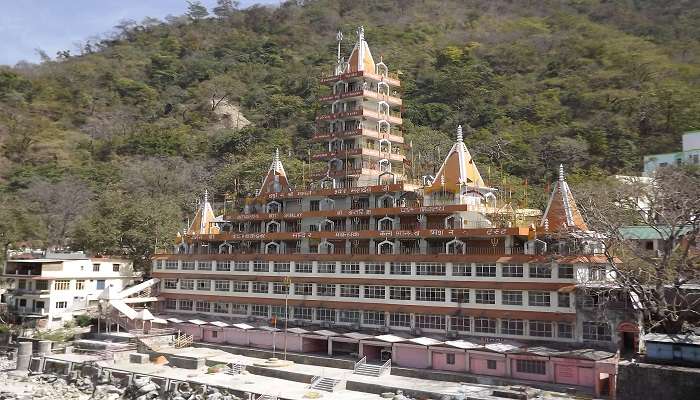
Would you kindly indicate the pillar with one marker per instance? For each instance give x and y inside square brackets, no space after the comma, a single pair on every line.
[44,347]
[24,355]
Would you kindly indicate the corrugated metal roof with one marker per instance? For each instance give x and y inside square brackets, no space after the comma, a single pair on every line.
[689,339]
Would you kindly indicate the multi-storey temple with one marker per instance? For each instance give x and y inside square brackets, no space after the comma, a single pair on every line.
[368,250]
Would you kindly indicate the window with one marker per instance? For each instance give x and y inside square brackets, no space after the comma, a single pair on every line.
[435,269]
[540,271]
[260,287]
[241,266]
[484,325]
[531,367]
[564,300]
[203,284]
[158,264]
[349,316]
[116,267]
[62,284]
[350,268]
[239,286]
[239,309]
[186,305]
[349,290]
[565,330]
[169,283]
[541,328]
[100,284]
[314,205]
[95,267]
[486,270]
[512,298]
[304,313]
[202,306]
[61,304]
[41,285]
[186,265]
[596,273]
[214,334]
[221,308]
[222,286]
[373,318]
[460,324]
[400,268]
[375,292]
[491,364]
[259,310]
[512,271]
[538,299]
[485,296]
[401,320]
[430,322]
[461,270]
[512,327]
[565,271]
[450,359]
[279,312]
[374,268]
[22,284]
[459,295]
[325,314]
[204,265]
[282,267]
[223,266]
[79,284]
[303,289]
[430,294]
[280,288]
[400,293]
[326,268]
[171,304]
[323,289]
[261,266]
[304,267]
[187,284]
[598,331]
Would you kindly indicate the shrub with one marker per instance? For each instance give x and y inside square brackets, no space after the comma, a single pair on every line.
[83,320]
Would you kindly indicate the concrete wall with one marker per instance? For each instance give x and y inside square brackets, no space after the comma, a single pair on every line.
[665,351]
[411,356]
[440,360]
[650,381]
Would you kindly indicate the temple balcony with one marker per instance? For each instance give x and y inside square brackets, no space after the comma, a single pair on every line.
[362,94]
[369,152]
[391,78]
[393,117]
[394,135]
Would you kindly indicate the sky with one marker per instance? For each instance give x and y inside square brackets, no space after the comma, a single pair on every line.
[53,25]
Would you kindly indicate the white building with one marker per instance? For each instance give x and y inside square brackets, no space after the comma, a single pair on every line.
[50,291]
[690,154]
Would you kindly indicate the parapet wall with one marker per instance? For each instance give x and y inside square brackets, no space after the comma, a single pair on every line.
[637,381]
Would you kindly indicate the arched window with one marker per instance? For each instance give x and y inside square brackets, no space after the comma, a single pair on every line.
[335,145]
[453,222]
[335,164]
[385,247]
[383,108]
[386,201]
[455,246]
[326,248]
[381,69]
[225,248]
[273,226]
[272,248]
[383,126]
[384,146]
[385,224]
[383,88]
[181,248]
[384,165]
[327,226]
[273,207]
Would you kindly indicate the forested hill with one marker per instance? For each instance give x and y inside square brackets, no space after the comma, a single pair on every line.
[110,145]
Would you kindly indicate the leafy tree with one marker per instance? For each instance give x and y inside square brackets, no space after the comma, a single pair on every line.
[196,11]
[225,8]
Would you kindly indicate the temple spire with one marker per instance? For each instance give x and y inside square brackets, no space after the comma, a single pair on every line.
[459,133]
[561,212]
[458,169]
[204,218]
[276,179]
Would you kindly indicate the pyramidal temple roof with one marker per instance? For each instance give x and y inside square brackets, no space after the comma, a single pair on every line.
[561,212]
[458,168]
[361,57]
[202,223]
[276,179]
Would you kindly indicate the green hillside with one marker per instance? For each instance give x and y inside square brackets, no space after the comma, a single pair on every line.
[112,147]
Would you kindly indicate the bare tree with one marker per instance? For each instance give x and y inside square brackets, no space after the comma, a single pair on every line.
[664,210]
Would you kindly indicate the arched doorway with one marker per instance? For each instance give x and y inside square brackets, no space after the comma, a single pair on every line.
[629,337]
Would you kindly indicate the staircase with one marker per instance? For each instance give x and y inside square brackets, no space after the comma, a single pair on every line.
[369,369]
[325,384]
[235,369]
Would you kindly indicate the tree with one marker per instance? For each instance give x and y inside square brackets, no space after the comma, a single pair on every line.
[17,224]
[59,205]
[668,209]
[196,11]
[225,8]
[129,225]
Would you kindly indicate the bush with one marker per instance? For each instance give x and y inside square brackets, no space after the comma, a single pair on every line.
[83,320]
[4,328]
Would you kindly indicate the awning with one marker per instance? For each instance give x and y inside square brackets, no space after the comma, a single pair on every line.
[425,341]
[220,324]
[197,321]
[463,344]
[175,320]
[243,326]
[390,338]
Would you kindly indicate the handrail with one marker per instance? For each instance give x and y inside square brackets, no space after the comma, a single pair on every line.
[314,380]
[363,360]
[385,366]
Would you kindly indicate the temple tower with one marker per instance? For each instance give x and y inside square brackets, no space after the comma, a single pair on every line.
[360,126]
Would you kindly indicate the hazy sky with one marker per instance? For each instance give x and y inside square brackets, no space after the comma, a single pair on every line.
[53,25]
